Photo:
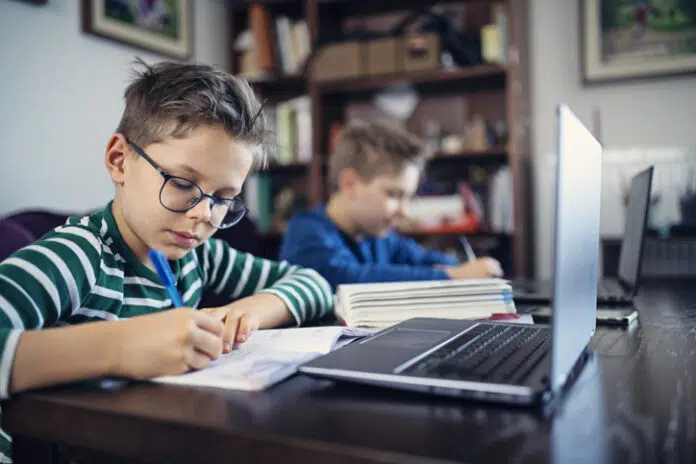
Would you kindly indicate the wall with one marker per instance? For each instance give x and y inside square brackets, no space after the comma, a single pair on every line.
[61,98]
[660,112]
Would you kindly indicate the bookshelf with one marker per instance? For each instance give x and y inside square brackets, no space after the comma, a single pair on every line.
[423,80]
[496,90]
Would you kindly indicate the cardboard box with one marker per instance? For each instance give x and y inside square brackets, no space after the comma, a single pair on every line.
[421,51]
[384,56]
[339,61]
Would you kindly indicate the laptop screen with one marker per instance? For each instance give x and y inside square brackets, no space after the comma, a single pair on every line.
[576,247]
[634,229]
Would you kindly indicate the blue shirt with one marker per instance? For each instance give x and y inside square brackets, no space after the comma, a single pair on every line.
[313,240]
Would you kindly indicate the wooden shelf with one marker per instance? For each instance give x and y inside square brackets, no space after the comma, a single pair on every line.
[485,75]
[472,235]
[291,168]
[280,87]
[363,7]
[269,2]
[493,155]
[270,236]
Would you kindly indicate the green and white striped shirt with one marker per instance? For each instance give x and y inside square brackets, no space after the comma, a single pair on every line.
[83,271]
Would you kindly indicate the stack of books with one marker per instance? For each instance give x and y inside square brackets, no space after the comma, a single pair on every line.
[380,305]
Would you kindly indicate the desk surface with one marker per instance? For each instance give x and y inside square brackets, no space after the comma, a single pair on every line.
[635,403]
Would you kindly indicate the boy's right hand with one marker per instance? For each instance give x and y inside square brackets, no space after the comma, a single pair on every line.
[477,269]
[167,343]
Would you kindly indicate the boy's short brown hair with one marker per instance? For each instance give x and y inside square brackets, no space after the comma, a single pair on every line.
[374,148]
[171,99]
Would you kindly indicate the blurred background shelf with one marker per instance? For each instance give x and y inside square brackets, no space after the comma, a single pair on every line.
[280,87]
[466,78]
[456,95]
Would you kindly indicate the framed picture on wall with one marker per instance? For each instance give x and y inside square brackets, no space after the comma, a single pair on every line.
[624,39]
[159,26]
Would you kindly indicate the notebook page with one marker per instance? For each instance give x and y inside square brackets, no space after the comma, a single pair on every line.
[243,370]
[268,357]
[304,339]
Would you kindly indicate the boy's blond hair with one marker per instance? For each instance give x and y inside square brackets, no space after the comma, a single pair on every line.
[171,99]
[374,148]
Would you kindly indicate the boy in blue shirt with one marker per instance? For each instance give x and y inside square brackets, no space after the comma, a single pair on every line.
[373,172]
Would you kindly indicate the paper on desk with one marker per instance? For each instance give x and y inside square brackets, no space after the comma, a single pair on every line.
[306,339]
[268,357]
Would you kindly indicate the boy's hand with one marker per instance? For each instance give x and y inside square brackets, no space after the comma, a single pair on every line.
[477,269]
[167,343]
[239,323]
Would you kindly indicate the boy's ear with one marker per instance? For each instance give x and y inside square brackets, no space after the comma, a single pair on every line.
[347,180]
[116,150]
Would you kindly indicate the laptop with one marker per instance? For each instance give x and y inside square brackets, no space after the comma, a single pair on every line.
[510,363]
[611,291]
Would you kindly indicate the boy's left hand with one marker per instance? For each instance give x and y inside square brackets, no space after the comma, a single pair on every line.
[239,324]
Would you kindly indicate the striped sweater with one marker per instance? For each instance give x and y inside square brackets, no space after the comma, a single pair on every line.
[83,271]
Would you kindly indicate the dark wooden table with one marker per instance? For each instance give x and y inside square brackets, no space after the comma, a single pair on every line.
[634,402]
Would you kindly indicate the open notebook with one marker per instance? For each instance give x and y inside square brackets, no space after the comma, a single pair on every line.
[268,357]
[379,305]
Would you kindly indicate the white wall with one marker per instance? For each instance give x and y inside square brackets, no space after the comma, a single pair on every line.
[660,112]
[61,98]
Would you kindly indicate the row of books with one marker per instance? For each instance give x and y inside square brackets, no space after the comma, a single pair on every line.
[273,199]
[494,36]
[272,46]
[291,121]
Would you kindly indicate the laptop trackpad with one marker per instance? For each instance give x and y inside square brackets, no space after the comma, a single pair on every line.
[413,339]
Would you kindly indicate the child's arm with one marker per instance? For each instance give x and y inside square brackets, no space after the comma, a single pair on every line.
[408,251]
[46,283]
[277,292]
[319,250]
[164,343]
[41,285]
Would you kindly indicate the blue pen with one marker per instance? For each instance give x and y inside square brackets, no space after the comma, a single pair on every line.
[470,255]
[166,276]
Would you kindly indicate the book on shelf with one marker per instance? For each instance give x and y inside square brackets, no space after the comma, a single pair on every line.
[291,122]
[266,358]
[494,36]
[273,198]
[275,46]
[380,305]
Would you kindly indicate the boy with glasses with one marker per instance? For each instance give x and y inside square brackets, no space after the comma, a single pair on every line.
[189,136]
[373,172]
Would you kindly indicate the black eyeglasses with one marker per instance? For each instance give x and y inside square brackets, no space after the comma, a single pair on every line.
[180,195]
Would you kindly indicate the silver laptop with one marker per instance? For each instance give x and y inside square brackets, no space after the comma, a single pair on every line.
[620,290]
[497,361]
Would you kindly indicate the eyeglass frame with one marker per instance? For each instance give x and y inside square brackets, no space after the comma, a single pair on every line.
[203,195]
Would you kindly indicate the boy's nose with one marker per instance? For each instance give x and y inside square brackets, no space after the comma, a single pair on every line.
[401,209]
[201,212]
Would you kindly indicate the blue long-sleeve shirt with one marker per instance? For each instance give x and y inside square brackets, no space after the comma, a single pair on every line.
[313,240]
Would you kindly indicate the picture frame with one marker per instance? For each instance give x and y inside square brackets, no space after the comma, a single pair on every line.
[633,39]
[164,26]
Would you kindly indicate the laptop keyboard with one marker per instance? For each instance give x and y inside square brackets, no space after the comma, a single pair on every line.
[494,353]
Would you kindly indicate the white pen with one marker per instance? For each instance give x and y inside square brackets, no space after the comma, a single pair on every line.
[470,255]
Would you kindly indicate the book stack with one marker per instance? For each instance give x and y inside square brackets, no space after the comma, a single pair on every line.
[380,305]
